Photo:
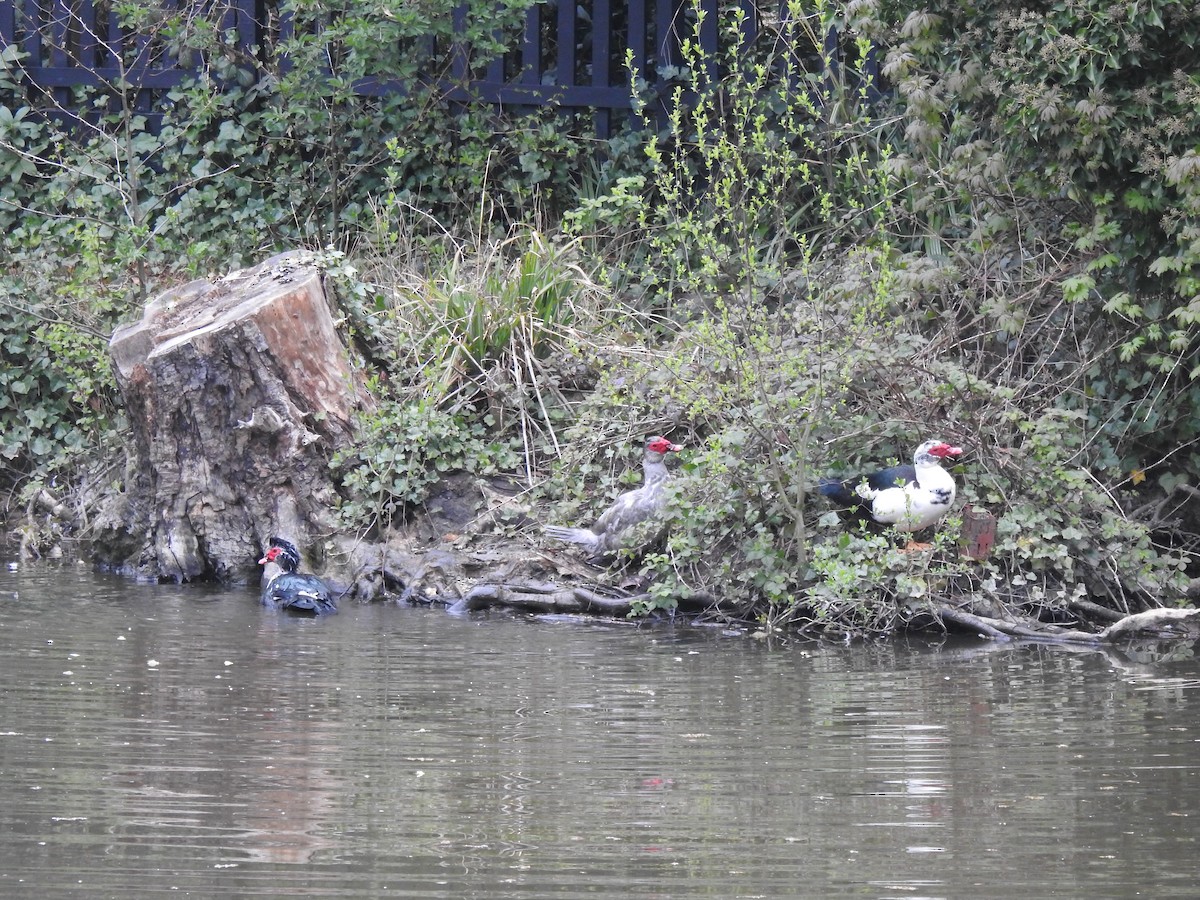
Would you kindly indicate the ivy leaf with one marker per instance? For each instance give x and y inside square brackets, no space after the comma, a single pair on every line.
[1077,288]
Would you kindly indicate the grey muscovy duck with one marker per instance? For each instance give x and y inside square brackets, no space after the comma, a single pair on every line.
[290,590]
[612,531]
[908,497]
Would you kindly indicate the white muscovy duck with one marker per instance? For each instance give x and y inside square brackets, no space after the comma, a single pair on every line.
[611,532]
[290,590]
[908,497]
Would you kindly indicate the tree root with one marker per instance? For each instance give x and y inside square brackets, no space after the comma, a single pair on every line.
[548,597]
[1160,624]
[1095,610]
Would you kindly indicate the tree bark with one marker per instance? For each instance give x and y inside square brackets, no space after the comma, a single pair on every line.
[237,393]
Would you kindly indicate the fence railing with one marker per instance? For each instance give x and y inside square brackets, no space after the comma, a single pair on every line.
[570,54]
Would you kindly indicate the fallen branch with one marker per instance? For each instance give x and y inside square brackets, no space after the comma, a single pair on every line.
[540,598]
[1095,610]
[47,502]
[1155,623]
[548,597]
[1158,623]
[971,622]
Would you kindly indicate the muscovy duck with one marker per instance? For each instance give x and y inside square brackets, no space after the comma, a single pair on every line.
[909,497]
[612,530]
[289,590]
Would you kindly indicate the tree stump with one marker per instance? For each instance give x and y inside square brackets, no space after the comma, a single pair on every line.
[978,533]
[237,393]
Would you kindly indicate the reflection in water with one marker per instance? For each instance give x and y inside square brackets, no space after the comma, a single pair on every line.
[159,738]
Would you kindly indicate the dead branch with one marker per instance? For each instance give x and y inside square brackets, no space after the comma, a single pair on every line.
[548,597]
[1155,623]
[1094,610]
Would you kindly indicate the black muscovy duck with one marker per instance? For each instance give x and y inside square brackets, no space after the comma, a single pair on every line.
[290,590]
[908,497]
[611,532]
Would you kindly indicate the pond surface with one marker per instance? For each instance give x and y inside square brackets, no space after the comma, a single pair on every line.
[183,739]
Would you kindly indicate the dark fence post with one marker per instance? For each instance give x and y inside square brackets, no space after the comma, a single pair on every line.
[60,31]
[287,27]
[870,71]
[566,30]
[32,43]
[708,40]
[8,25]
[111,56]
[248,27]
[88,36]
[530,70]
[458,60]
[601,63]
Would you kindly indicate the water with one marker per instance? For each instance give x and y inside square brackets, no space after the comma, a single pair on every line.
[158,739]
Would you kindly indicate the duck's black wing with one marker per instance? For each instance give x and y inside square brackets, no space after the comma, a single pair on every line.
[844,493]
[840,492]
[305,594]
[896,476]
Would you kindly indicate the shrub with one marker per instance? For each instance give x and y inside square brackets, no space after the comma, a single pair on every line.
[1053,177]
[400,451]
[770,157]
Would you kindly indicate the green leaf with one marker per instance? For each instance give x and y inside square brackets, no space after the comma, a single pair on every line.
[1077,288]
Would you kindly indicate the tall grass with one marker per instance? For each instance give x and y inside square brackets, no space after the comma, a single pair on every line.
[500,326]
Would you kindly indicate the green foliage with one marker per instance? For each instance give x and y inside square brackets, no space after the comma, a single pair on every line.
[820,381]
[761,170]
[454,163]
[287,150]
[760,384]
[56,385]
[1060,520]
[400,451]
[1054,145]
[503,311]
[864,583]
[757,154]
[495,324]
[250,157]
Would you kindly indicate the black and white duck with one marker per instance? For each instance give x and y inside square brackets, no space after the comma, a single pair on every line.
[909,497]
[290,590]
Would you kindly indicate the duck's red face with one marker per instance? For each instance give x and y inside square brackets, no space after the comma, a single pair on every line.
[943,450]
[271,556]
[662,445]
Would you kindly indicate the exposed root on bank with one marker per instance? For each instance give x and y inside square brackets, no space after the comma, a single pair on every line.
[554,598]
[1158,624]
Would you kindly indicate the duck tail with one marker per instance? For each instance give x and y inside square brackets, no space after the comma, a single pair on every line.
[587,539]
[839,492]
